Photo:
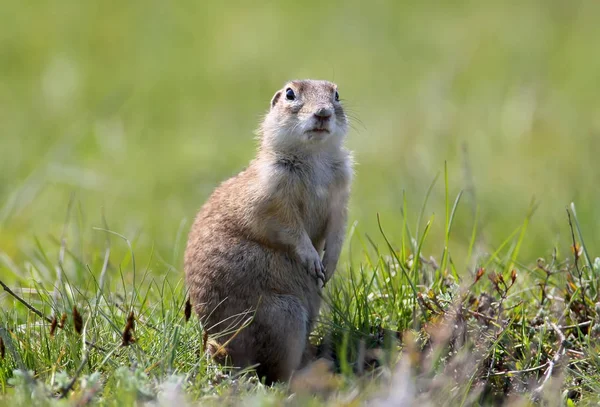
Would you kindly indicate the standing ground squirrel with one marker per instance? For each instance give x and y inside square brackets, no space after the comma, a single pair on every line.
[253,259]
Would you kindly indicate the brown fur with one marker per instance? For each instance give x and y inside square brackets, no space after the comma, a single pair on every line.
[253,260]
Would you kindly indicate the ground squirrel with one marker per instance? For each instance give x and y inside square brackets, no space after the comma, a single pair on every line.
[253,257]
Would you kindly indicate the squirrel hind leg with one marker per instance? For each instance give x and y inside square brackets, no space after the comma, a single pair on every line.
[282,330]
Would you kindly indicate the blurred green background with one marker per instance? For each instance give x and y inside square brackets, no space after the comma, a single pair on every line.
[136,110]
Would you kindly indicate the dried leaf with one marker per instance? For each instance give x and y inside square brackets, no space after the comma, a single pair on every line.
[572,286]
[2,349]
[128,331]
[53,325]
[63,319]
[479,274]
[77,320]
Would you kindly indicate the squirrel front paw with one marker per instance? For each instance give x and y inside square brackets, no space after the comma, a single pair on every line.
[311,260]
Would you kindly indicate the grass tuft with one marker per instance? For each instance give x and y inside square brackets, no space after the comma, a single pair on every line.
[397,326]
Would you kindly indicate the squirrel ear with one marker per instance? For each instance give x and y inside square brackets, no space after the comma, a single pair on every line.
[275,98]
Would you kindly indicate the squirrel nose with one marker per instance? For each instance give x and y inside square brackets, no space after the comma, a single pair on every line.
[323,113]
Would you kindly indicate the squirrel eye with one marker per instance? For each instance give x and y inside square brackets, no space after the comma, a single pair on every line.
[289,94]
[337,96]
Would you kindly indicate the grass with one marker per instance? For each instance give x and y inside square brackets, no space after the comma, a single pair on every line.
[397,327]
[474,126]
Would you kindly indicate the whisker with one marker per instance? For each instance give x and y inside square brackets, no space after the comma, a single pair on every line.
[355,120]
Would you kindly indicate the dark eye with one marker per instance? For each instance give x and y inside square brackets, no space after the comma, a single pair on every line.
[337,96]
[289,94]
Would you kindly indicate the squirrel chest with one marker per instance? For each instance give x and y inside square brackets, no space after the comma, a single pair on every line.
[309,185]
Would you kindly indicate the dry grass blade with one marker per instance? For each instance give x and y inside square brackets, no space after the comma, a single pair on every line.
[65,390]
[555,360]
[22,301]
[128,338]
